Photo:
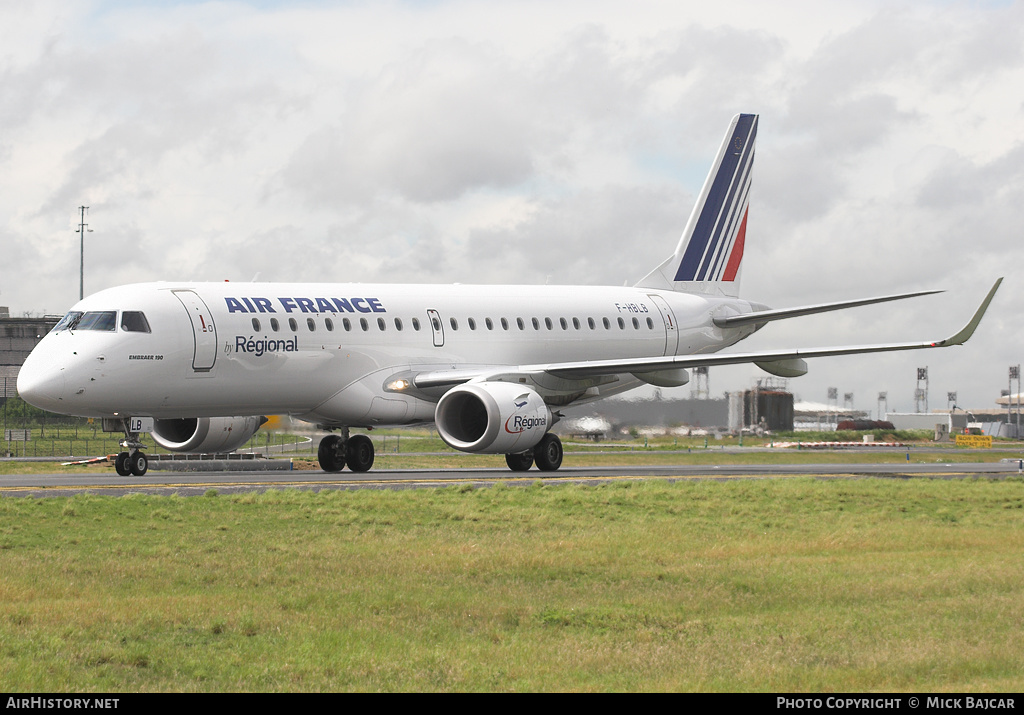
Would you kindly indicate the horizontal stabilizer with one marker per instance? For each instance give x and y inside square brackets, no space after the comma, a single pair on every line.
[765,316]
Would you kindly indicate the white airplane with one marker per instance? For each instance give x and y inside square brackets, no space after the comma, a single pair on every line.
[490,365]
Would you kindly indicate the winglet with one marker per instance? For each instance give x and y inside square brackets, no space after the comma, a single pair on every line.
[968,330]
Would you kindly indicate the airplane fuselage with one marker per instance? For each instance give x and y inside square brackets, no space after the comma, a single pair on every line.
[325,352]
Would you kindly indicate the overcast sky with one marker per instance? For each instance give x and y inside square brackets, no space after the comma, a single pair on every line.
[532,142]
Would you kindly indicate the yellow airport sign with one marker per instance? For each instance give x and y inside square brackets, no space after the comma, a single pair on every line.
[974,441]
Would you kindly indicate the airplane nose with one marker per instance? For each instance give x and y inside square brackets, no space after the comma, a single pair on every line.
[41,387]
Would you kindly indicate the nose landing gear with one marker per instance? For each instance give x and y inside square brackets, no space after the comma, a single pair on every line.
[133,462]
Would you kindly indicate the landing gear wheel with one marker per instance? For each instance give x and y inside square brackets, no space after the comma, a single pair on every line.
[548,454]
[331,453]
[138,464]
[121,464]
[520,462]
[359,453]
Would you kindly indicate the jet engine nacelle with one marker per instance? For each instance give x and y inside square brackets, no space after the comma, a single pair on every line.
[492,418]
[205,434]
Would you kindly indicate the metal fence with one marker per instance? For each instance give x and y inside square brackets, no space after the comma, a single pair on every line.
[29,432]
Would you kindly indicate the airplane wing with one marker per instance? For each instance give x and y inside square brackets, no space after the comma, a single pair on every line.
[596,368]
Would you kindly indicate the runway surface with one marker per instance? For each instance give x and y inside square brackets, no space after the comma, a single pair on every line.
[197,483]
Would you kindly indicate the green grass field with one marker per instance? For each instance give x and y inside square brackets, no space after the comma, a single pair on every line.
[763,585]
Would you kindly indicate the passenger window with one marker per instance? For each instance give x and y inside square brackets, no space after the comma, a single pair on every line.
[363,324]
[347,324]
[437,323]
[590,322]
[536,324]
[274,325]
[292,324]
[622,324]
[415,323]
[650,324]
[472,324]
[488,323]
[519,322]
[547,323]
[607,324]
[561,321]
[636,324]
[255,324]
[310,324]
[329,324]
[398,323]
[381,324]
[454,322]
[134,321]
[576,323]
[504,324]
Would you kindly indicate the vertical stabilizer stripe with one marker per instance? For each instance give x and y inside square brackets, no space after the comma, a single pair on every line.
[733,266]
[728,213]
[715,232]
[729,236]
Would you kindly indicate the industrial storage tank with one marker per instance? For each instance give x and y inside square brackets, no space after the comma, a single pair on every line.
[770,409]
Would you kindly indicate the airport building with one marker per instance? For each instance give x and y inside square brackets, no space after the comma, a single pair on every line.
[756,409]
[992,422]
[17,338]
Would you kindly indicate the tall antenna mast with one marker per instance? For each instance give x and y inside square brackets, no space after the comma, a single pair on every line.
[82,228]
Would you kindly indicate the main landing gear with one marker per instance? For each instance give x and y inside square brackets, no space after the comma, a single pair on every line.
[134,461]
[547,455]
[337,451]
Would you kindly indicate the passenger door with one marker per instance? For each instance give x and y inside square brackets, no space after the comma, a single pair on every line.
[671,333]
[203,330]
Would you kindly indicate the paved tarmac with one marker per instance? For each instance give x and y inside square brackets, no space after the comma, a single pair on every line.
[226,482]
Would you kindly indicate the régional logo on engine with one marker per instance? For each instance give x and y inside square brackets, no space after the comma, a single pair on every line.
[517,423]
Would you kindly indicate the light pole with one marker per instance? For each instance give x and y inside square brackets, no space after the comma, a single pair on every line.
[921,394]
[1010,399]
[83,227]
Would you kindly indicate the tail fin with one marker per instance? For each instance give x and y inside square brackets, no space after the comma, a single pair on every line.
[710,251]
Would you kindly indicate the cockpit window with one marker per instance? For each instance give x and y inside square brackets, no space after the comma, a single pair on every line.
[134,321]
[97,320]
[68,320]
[131,320]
